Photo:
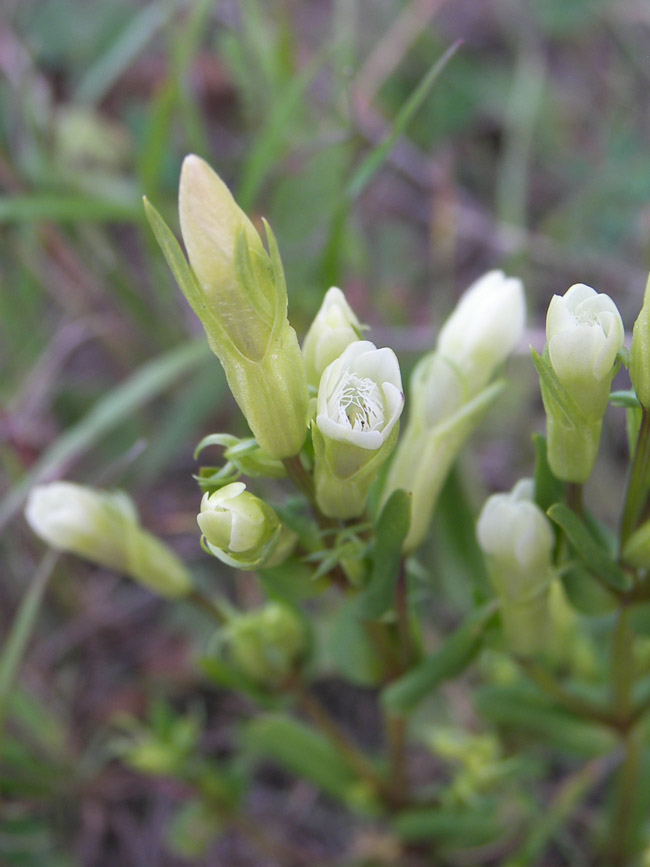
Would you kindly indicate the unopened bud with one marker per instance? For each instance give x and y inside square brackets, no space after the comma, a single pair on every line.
[238,527]
[333,329]
[103,527]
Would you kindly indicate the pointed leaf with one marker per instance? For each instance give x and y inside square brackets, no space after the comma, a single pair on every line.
[586,546]
[392,529]
[455,655]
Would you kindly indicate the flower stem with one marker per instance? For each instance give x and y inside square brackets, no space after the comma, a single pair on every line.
[637,485]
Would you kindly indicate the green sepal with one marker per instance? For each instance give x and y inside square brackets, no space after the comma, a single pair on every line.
[469,826]
[557,399]
[586,546]
[625,398]
[392,529]
[245,454]
[453,657]
[586,594]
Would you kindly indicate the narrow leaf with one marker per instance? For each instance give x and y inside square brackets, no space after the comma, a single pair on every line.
[586,546]
[454,655]
[392,530]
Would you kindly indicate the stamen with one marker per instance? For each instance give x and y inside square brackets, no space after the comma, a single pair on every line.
[357,403]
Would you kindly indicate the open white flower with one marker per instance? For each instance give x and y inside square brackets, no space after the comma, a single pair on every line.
[360,401]
[333,329]
[360,396]
[238,527]
[584,331]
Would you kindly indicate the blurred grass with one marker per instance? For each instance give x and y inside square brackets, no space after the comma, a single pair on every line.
[529,153]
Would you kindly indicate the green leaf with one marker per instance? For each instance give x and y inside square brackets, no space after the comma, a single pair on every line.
[392,529]
[19,209]
[527,714]
[300,750]
[109,412]
[548,488]
[626,399]
[455,655]
[597,559]
[377,157]
[466,827]
[584,592]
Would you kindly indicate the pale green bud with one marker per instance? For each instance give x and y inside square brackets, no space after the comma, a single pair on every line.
[517,540]
[103,527]
[240,297]
[448,394]
[333,329]
[640,352]
[360,401]
[584,334]
[238,527]
[265,645]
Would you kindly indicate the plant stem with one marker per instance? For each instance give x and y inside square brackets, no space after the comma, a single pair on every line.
[623,809]
[401,609]
[637,484]
[299,476]
[355,758]
[396,732]
[207,605]
[574,497]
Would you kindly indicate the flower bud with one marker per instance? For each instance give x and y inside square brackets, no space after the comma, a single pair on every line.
[517,540]
[584,333]
[640,352]
[103,527]
[238,527]
[360,401]
[333,329]
[448,392]
[266,644]
[238,292]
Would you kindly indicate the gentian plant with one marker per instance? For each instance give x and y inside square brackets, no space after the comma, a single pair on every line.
[555,649]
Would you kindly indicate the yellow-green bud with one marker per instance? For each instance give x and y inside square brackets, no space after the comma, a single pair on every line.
[238,527]
[360,401]
[448,394]
[242,304]
[333,329]
[266,644]
[517,540]
[103,527]
[640,352]
[584,333]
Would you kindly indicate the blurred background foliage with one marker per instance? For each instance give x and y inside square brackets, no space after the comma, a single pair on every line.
[529,153]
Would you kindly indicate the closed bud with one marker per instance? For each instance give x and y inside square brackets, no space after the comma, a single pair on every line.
[449,392]
[360,401]
[584,334]
[238,292]
[517,540]
[265,645]
[103,527]
[238,527]
[640,352]
[333,329]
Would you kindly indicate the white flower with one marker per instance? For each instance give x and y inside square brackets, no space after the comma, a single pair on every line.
[484,328]
[360,396]
[334,327]
[513,529]
[103,527]
[584,332]
[518,542]
[238,527]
